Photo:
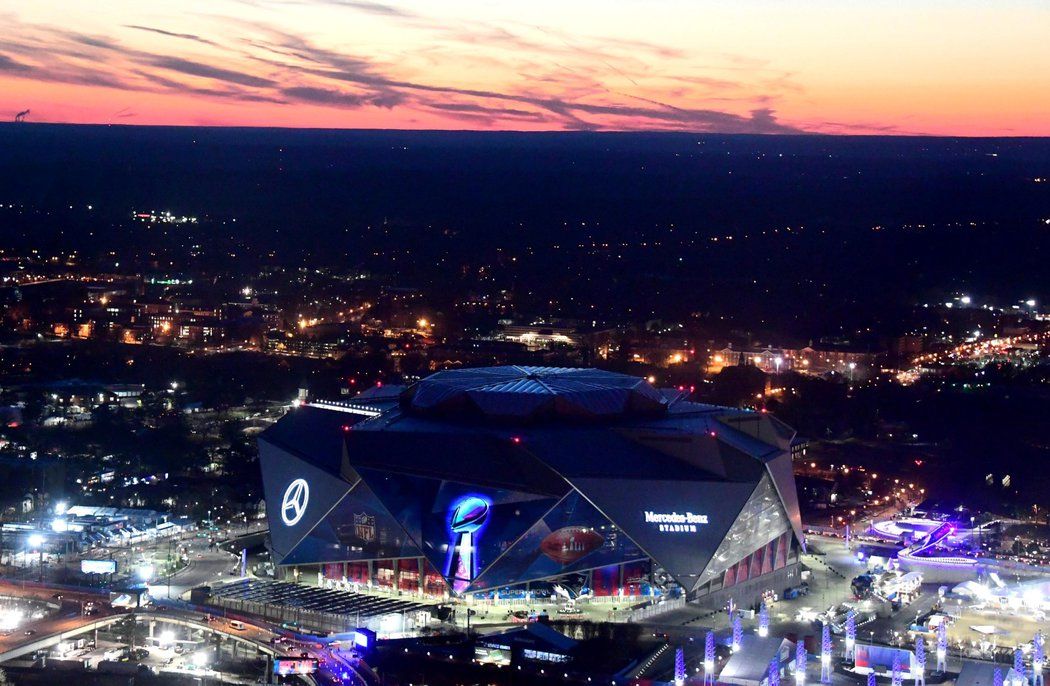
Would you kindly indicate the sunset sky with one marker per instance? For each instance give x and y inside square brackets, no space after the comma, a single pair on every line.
[951,67]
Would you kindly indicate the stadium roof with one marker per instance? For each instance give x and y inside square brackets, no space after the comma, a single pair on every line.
[532,394]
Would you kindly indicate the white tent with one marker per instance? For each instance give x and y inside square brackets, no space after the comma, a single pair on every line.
[749,666]
[975,673]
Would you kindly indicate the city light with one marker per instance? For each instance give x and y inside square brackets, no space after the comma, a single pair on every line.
[10,619]
[35,541]
[61,507]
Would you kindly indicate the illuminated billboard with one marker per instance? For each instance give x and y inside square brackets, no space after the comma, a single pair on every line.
[283,666]
[98,566]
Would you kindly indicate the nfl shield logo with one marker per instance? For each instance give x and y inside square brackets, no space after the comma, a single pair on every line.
[365,527]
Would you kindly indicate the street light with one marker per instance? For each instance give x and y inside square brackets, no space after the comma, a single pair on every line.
[37,541]
[852,366]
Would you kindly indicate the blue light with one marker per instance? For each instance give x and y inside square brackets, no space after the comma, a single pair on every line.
[466,518]
[469,514]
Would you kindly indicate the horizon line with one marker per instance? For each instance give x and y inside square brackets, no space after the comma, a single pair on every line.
[662,132]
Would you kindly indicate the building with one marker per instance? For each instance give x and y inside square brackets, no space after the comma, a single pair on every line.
[769,360]
[847,361]
[542,335]
[303,345]
[811,359]
[483,481]
[535,644]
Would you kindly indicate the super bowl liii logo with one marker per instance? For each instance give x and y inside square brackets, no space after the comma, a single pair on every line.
[674,522]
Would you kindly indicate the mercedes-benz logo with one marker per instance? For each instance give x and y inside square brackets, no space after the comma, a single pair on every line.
[293,505]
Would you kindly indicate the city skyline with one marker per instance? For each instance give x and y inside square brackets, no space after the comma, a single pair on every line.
[834,68]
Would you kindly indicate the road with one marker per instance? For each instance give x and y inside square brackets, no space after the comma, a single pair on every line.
[206,566]
[68,617]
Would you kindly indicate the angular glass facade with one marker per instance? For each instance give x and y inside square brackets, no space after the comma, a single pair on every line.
[760,521]
[574,536]
[461,528]
[357,528]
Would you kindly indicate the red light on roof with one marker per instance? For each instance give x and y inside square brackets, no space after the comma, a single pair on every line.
[379,384]
[713,434]
[516,440]
[346,427]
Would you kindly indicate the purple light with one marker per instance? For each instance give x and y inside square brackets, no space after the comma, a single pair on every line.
[774,672]
[997,677]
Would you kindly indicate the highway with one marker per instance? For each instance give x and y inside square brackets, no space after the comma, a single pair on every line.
[67,618]
[335,667]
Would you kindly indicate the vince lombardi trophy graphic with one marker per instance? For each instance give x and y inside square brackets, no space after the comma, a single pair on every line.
[468,515]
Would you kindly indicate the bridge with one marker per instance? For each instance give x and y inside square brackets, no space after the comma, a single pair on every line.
[251,636]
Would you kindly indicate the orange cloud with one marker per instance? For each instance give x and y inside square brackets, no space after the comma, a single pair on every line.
[705,67]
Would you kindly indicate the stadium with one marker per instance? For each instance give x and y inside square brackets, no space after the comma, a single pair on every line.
[511,480]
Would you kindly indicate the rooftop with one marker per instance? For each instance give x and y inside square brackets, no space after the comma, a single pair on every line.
[530,394]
